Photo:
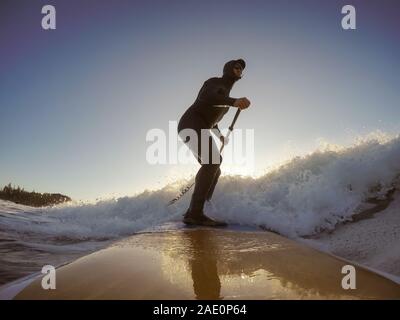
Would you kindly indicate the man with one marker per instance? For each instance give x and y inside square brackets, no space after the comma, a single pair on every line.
[211,105]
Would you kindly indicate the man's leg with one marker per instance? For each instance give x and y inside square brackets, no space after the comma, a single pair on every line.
[213,185]
[205,179]
[210,161]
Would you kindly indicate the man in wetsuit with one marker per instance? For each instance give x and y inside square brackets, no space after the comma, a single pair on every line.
[212,103]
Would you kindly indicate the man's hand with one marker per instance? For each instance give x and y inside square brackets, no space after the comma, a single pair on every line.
[224,140]
[242,103]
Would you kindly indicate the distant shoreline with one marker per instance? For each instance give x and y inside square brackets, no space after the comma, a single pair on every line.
[34,199]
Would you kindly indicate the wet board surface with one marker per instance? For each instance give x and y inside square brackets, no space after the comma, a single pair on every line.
[207,263]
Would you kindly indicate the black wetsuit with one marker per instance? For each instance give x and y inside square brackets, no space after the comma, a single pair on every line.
[209,108]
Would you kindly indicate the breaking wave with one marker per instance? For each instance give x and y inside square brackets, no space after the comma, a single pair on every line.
[301,197]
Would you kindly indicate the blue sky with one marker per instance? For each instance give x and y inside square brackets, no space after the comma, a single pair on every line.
[76,103]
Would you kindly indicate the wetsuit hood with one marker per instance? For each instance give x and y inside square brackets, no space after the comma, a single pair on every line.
[228,70]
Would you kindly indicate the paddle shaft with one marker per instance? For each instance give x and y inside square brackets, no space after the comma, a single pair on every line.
[231,127]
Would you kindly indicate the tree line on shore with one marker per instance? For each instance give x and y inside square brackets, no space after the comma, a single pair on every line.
[33,199]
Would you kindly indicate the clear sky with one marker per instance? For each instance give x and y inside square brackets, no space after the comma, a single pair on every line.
[76,102]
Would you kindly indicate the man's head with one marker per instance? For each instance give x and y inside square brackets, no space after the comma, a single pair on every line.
[233,69]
